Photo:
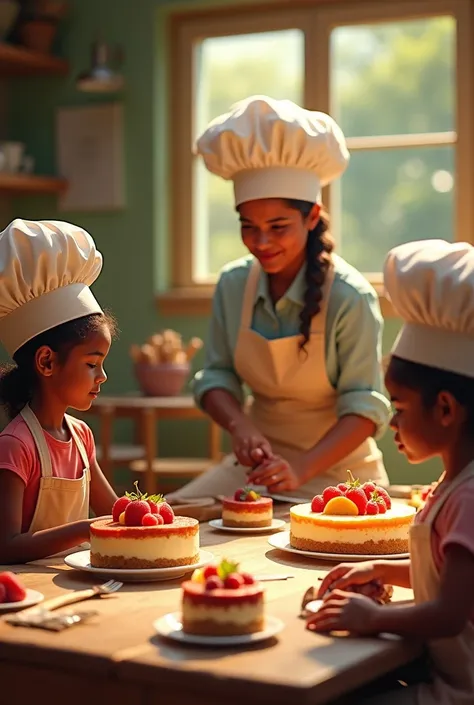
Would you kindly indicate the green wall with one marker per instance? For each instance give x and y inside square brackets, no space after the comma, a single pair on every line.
[134,242]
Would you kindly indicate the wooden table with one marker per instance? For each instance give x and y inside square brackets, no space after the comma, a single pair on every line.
[146,411]
[117,659]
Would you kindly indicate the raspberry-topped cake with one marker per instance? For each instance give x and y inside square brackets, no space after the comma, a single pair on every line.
[247,510]
[219,600]
[351,518]
[144,533]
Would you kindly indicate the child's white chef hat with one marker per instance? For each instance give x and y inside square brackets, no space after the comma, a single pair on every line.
[431,286]
[46,268]
[274,149]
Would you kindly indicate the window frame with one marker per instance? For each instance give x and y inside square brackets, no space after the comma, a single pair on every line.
[316,21]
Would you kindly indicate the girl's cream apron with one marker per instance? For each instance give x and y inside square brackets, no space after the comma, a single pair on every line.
[452,659]
[60,500]
[294,404]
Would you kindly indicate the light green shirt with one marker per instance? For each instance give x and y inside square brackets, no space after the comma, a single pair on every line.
[354,329]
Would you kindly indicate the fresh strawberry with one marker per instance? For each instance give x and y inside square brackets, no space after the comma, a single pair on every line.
[331,492]
[382,506]
[119,506]
[153,506]
[372,507]
[247,578]
[238,494]
[379,501]
[385,496]
[160,518]
[233,581]
[357,495]
[135,511]
[214,583]
[209,570]
[368,488]
[150,520]
[343,487]
[15,592]
[3,593]
[166,512]
[318,504]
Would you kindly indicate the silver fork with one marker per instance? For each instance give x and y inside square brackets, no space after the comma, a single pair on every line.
[53,603]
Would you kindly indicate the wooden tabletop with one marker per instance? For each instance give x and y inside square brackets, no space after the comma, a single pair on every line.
[118,658]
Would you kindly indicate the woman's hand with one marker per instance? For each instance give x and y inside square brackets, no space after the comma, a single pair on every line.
[249,445]
[345,575]
[345,611]
[278,475]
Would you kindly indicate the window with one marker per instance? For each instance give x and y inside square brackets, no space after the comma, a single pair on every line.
[396,76]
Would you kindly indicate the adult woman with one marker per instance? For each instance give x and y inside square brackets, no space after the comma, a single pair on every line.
[295,323]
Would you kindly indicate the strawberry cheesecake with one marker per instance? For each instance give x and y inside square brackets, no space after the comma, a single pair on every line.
[143,533]
[219,600]
[247,510]
[351,518]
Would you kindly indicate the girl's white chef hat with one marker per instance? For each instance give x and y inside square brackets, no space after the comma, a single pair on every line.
[46,268]
[431,286]
[274,149]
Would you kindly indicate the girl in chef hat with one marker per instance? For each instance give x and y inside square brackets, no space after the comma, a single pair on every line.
[58,336]
[293,322]
[431,381]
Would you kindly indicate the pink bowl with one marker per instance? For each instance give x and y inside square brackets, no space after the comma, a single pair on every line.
[161,380]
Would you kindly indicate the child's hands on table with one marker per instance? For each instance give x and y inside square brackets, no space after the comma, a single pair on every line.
[346,575]
[345,611]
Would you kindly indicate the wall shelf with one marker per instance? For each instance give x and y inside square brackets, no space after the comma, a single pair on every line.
[18,184]
[17,61]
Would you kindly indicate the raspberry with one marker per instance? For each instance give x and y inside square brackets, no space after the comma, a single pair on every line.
[135,511]
[368,488]
[209,570]
[233,581]
[343,487]
[214,583]
[3,593]
[149,520]
[119,506]
[372,507]
[15,592]
[357,495]
[239,494]
[166,512]
[330,493]
[317,505]
[247,578]
[385,496]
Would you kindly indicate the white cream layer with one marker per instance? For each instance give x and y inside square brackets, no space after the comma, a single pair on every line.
[394,525]
[150,549]
[235,614]
[245,517]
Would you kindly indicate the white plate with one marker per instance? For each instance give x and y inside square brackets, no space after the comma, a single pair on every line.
[170,626]
[82,561]
[33,597]
[276,525]
[282,542]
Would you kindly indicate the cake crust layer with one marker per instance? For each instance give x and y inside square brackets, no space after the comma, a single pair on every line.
[245,524]
[367,548]
[208,627]
[123,563]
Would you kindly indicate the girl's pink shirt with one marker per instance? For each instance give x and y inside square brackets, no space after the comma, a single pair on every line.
[18,454]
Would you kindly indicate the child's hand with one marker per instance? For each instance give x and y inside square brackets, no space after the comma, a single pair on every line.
[345,611]
[347,574]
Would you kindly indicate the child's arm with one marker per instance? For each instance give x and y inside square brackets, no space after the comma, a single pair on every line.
[102,495]
[347,574]
[16,547]
[448,614]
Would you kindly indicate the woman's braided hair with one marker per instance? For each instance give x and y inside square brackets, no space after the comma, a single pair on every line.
[319,246]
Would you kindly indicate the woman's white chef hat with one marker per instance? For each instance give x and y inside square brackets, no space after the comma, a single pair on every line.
[274,149]
[46,268]
[431,286]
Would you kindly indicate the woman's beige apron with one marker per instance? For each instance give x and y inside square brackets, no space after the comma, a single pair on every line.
[60,500]
[294,404]
[452,659]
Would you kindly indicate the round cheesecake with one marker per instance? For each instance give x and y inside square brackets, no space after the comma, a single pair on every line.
[382,534]
[247,514]
[222,612]
[136,547]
